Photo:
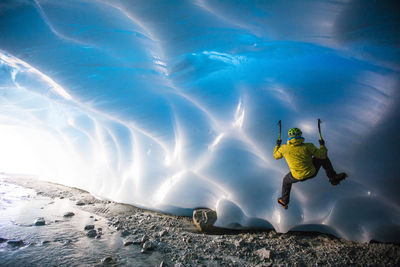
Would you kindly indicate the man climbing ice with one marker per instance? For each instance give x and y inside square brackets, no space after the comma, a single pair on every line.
[304,161]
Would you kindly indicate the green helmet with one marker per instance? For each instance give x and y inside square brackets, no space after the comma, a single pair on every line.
[294,132]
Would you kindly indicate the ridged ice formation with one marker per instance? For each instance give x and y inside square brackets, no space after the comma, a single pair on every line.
[172,105]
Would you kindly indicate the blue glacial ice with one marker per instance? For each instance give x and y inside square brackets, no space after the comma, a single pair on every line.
[173,105]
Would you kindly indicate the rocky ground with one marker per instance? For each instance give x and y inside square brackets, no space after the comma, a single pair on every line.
[181,244]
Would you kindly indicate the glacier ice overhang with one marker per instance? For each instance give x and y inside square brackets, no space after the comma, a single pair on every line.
[172,105]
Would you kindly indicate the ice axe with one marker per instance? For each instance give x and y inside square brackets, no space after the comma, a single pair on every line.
[280,129]
[319,130]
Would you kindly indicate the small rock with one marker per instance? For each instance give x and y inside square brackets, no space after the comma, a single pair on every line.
[238,243]
[2,240]
[263,253]
[125,233]
[15,243]
[148,245]
[162,233]
[69,214]
[40,222]
[108,259]
[144,239]
[137,242]
[45,242]
[98,236]
[163,264]
[89,227]
[204,219]
[272,234]
[91,233]
[80,203]
[99,229]
[128,243]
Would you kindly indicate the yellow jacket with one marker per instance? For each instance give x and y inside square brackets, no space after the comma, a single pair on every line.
[298,156]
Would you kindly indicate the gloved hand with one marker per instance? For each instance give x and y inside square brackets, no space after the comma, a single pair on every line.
[278,142]
[321,142]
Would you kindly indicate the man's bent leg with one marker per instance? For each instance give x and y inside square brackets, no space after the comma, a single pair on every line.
[327,165]
[288,180]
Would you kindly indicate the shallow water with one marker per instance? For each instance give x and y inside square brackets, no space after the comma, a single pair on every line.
[61,241]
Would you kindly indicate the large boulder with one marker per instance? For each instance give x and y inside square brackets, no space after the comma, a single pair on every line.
[204,219]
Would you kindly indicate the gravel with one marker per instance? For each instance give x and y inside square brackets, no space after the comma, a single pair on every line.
[181,244]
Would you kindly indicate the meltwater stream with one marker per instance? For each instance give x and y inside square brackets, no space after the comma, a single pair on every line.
[62,241]
[173,105]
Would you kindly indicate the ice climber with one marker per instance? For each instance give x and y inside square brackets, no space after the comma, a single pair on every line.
[304,161]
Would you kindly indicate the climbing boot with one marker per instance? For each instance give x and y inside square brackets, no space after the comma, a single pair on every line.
[339,177]
[282,203]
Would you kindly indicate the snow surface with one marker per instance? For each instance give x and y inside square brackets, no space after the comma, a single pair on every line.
[173,105]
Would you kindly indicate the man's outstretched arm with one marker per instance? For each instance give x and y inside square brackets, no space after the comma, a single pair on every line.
[278,150]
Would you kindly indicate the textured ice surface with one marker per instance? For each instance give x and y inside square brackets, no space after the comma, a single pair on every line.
[173,105]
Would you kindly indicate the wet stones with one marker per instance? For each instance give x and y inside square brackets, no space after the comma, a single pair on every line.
[204,219]
[137,242]
[107,260]
[2,240]
[125,233]
[91,233]
[89,227]
[80,203]
[144,239]
[40,221]
[128,243]
[147,246]
[69,214]
[15,243]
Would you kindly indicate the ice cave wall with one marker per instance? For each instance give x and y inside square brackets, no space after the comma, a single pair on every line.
[173,105]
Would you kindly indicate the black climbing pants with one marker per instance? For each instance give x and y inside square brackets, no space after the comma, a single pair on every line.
[288,180]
